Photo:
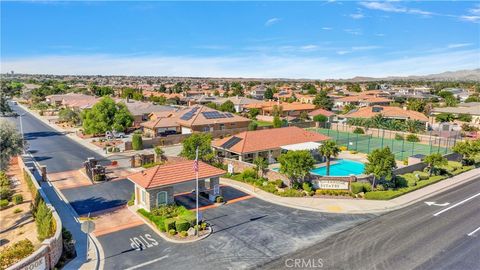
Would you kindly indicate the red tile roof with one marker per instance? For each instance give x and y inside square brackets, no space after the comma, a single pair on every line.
[387,112]
[322,112]
[267,139]
[164,175]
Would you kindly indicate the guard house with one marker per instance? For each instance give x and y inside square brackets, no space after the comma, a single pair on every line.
[158,185]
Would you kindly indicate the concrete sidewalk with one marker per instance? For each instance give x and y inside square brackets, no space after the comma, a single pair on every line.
[355,206]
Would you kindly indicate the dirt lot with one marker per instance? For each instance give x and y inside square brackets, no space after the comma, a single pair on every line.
[16,222]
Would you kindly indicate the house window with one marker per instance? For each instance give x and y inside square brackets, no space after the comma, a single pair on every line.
[222,126]
[206,129]
[162,198]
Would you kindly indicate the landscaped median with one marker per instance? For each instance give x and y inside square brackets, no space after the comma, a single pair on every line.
[384,190]
[175,223]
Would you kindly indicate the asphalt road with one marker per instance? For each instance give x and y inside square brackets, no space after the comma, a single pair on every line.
[246,234]
[416,237]
[50,147]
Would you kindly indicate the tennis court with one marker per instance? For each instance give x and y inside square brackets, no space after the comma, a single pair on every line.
[367,143]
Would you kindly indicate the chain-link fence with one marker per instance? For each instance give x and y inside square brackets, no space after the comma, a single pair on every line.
[396,141]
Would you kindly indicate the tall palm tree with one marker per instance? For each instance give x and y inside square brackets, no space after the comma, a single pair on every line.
[329,149]
[412,125]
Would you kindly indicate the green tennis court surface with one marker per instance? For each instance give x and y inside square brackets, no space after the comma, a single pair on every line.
[366,143]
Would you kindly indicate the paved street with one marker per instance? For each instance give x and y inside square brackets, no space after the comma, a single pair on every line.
[416,237]
[246,234]
[50,147]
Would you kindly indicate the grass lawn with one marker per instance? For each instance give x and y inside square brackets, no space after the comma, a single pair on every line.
[263,123]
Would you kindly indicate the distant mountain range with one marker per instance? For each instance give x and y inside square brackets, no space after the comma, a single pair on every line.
[460,75]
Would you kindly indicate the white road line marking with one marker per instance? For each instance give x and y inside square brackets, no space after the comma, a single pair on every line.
[147,263]
[476,230]
[455,205]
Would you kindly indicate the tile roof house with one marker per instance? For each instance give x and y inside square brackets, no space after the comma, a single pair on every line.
[238,102]
[470,108]
[266,143]
[288,109]
[158,185]
[196,118]
[141,110]
[73,100]
[387,112]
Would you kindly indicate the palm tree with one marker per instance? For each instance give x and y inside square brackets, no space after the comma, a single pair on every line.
[377,121]
[435,160]
[412,125]
[329,149]
[260,165]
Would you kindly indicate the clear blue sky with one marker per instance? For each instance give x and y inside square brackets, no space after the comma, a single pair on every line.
[251,39]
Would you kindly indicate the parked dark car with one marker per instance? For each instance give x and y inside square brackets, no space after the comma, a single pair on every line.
[167,132]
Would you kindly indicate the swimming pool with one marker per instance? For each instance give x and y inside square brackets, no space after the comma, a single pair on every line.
[343,167]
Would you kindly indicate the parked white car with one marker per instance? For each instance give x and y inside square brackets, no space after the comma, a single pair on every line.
[114,134]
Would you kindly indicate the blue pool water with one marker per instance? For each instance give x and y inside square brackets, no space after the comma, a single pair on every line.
[343,167]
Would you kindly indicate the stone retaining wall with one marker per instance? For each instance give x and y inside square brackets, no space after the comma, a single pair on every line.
[50,251]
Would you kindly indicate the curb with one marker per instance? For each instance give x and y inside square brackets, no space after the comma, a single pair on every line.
[149,224]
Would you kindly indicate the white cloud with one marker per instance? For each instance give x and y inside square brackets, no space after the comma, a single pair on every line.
[327,28]
[309,47]
[272,21]
[253,65]
[391,7]
[473,15]
[357,16]
[355,32]
[459,45]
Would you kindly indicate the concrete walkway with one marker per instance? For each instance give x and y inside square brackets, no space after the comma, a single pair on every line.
[355,206]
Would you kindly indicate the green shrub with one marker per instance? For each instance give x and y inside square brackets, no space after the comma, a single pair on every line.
[44,221]
[5,193]
[358,187]
[405,161]
[132,200]
[399,137]
[412,138]
[421,175]
[279,183]
[17,199]
[219,199]
[3,204]
[358,130]
[182,225]
[401,182]
[172,232]
[191,219]
[15,253]
[17,210]
[203,225]
[291,192]
[307,187]
[99,177]
[4,181]
[249,173]
[270,187]
[137,143]
[183,234]
[169,224]
[150,165]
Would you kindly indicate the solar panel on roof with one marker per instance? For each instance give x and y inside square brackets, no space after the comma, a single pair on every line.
[229,115]
[231,142]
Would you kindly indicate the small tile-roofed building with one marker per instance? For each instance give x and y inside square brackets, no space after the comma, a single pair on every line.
[267,143]
[158,185]
[387,112]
